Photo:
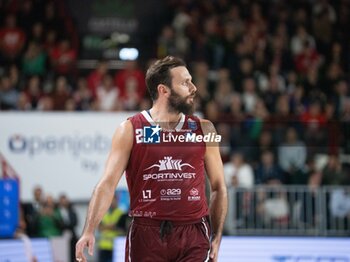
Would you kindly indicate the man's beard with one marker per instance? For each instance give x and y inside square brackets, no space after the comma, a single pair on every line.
[177,103]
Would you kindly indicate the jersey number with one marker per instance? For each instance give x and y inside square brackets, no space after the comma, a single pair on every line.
[139,135]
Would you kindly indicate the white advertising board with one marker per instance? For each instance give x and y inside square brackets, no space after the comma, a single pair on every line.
[17,250]
[272,249]
[62,152]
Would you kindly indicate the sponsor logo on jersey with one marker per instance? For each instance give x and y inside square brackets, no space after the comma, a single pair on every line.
[170,194]
[192,124]
[147,196]
[155,135]
[194,195]
[168,163]
[169,176]
[151,134]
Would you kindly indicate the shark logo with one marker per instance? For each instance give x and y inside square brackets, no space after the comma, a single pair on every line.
[168,163]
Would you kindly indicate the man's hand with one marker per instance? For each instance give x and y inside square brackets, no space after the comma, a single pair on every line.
[214,250]
[86,240]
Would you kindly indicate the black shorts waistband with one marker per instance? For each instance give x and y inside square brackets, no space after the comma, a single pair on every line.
[158,222]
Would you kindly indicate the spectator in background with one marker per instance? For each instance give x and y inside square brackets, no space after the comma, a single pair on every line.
[337,55]
[63,58]
[339,206]
[273,208]
[268,172]
[27,13]
[61,94]
[292,81]
[279,55]
[212,111]
[180,23]
[20,233]
[51,20]
[238,173]
[37,33]
[15,76]
[223,94]
[312,85]
[334,73]
[213,45]
[23,103]
[249,96]
[309,57]
[108,95]
[32,210]
[34,60]
[298,100]
[46,103]
[308,212]
[94,79]
[341,92]
[246,67]
[300,38]
[281,118]
[8,94]
[166,42]
[50,41]
[235,108]
[264,143]
[200,77]
[131,83]
[108,230]
[272,94]
[292,153]
[69,221]
[34,91]
[12,40]
[83,96]
[254,124]
[49,219]
[332,173]
[70,105]
[322,23]
[314,121]
[273,81]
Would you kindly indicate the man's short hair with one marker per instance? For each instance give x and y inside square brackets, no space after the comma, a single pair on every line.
[159,73]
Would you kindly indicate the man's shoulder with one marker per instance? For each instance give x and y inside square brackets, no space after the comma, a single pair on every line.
[136,116]
[207,126]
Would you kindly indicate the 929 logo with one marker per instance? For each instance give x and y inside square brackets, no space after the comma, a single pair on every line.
[170,194]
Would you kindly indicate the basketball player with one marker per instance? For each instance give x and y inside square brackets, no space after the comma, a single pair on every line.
[165,172]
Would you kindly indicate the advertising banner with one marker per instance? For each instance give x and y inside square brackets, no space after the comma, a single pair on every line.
[8,207]
[28,250]
[61,152]
[272,249]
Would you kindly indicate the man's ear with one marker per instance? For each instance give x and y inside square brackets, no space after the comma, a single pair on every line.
[163,90]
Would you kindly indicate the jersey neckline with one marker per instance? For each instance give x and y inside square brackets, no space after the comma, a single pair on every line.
[149,118]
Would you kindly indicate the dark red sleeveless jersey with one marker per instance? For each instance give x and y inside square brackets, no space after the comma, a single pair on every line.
[165,173]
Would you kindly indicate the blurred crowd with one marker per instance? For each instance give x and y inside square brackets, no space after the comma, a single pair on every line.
[45,216]
[272,75]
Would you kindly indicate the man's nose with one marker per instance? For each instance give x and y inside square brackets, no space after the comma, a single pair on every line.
[193,88]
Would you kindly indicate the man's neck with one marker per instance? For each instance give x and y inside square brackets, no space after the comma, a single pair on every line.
[163,117]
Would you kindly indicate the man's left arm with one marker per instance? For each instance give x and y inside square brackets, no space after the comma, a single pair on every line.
[218,196]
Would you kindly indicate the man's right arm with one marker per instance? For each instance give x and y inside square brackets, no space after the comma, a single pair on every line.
[104,191]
